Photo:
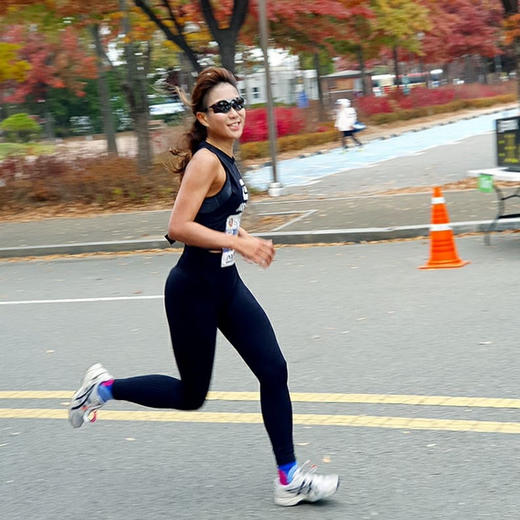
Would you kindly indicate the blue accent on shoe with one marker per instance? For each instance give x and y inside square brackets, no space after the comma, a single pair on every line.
[105,391]
[288,470]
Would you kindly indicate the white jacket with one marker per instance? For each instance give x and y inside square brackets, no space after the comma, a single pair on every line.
[345,118]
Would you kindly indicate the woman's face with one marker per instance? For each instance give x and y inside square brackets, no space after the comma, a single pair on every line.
[228,125]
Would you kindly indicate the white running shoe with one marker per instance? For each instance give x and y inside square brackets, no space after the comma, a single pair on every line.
[86,400]
[306,486]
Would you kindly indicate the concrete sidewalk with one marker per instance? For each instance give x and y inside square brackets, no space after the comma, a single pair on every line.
[286,220]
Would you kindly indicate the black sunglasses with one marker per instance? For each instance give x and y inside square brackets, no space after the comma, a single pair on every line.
[225,105]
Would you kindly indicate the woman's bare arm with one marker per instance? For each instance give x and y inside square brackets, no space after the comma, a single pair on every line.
[200,174]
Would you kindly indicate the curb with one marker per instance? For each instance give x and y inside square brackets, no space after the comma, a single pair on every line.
[326,236]
[84,247]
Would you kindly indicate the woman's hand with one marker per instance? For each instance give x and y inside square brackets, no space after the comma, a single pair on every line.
[255,249]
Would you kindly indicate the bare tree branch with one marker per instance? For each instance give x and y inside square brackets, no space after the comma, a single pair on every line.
[510,6]
[178,39]
[173,18]
[100,50]
[209,18]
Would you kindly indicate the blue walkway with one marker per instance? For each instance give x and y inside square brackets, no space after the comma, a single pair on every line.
[298,172]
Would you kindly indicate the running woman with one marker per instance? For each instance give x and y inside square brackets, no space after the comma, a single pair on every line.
[205,283]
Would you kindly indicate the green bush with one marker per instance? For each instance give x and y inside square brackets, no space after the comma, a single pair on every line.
[20,128]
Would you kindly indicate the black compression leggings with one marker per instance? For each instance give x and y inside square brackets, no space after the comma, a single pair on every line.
[200,297]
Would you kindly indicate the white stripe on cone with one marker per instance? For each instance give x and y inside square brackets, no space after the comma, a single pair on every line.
[440,227]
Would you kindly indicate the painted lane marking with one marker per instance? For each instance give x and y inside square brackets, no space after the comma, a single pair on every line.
[307,397]
[301,214]
[296,219]
[402,423]
[350,197]
[83,300]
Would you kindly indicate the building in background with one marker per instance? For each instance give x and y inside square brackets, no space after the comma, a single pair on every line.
[287,84]
[342,84]
[290,85]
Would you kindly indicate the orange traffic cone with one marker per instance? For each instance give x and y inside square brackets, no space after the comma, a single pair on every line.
[443,252]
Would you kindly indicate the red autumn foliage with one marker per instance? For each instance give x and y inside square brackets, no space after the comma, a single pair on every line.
[54,64]
[423,97]
[289,121]
[370,105]
[420,97]
[462,27]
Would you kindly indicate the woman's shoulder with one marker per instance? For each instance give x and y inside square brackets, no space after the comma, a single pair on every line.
[203,165]
[204,157]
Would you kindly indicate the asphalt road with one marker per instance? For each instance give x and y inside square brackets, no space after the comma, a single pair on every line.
[351,320]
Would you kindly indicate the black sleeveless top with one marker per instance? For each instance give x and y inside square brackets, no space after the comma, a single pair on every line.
[231,200]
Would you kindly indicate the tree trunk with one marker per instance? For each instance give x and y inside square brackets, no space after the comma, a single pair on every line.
[226,38]
[517,67]
[498,68]
[421,72]
[49,123]
[144,150]
[470,69]
[245,70]
[3,107]
[447,73]
[362,67]
[104,94]
[484,68]
[136,94]
[322,114]
[395,53]
[227,47]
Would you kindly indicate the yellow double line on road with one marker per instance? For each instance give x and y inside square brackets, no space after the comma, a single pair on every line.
[299,419]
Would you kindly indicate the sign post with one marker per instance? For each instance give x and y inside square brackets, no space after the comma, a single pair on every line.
[275,188]
[508,142]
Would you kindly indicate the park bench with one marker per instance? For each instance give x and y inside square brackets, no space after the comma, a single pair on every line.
[487,182]
[508,160]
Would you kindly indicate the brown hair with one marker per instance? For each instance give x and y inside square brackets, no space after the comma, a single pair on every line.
[206,80]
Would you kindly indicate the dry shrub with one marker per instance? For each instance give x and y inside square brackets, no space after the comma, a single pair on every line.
[101,180]
[287,143]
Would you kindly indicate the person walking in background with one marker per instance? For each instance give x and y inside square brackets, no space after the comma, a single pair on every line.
[346,118]
[204,292]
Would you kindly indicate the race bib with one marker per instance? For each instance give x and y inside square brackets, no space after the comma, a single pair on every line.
[232,227]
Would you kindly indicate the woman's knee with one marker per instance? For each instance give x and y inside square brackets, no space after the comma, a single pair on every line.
[193,400]
[274,374]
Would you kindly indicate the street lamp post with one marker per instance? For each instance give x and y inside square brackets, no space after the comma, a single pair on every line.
[275,188]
